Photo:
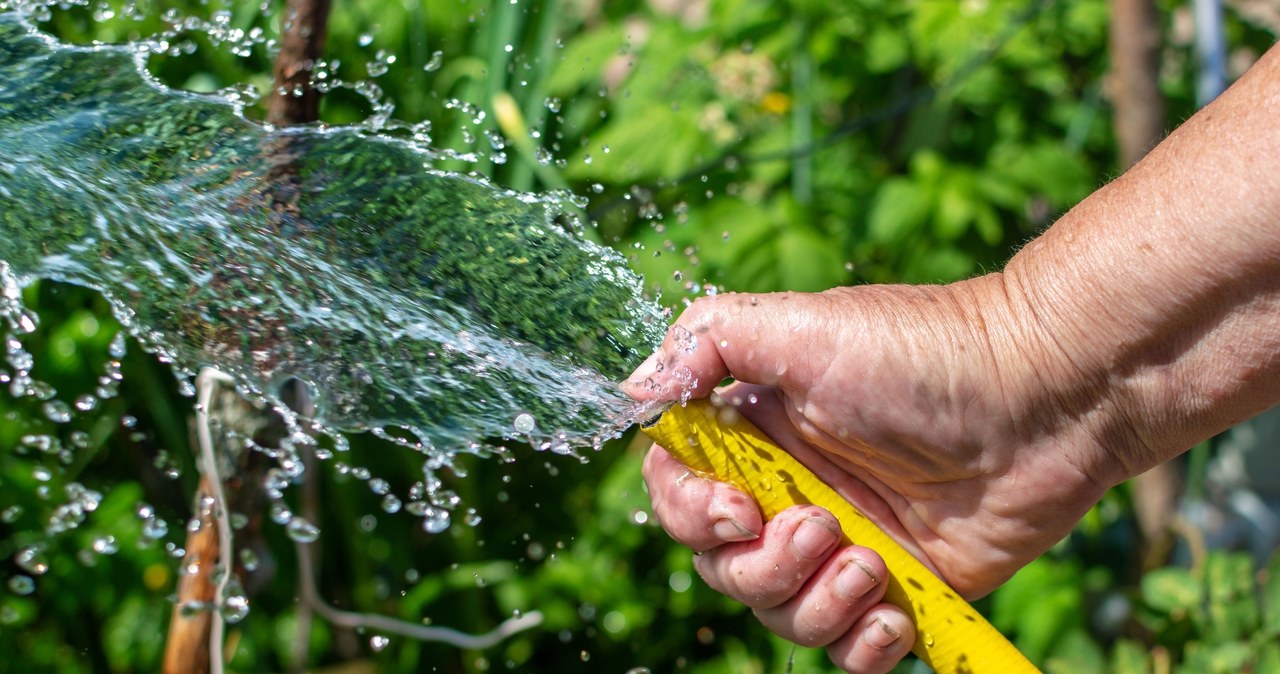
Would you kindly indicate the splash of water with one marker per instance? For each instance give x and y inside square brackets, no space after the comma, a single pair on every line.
[402,295]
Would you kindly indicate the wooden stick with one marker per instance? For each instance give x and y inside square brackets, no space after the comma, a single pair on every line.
[187,647]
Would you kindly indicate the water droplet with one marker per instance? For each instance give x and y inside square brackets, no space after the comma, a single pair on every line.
[57,411]
[684,340]
[928,640]
[235,607]
[154,528]
[380,63]
[378,642]
[105,545]
[189,609]
[167,465]
[302,531]
[525,423]
[435,520]
[11,514]
[275,482]
[437,59]
[186,388]
[280,513]
[364,39]
[249,560]
[22,585]
[32,560]
[391,504]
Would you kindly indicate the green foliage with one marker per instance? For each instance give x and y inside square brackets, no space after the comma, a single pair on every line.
[1211,618]
[1214,614]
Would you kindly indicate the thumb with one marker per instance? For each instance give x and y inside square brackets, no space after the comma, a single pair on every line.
[777,339]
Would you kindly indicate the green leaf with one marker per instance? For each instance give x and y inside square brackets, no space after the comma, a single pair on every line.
[1039,605]
[656,142]
[887,49]
[1076,652]
[900,209]
[822,267]
[1172,591]
[1130,657]
[1233,609]
[1226,658]
[987,222]
[1001,191]
[1268,658]
[954,211]
[1061,175]
[583,59]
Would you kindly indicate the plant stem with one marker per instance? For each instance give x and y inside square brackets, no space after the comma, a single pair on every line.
[205,383]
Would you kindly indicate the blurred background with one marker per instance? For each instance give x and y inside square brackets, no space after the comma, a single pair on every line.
[720,145]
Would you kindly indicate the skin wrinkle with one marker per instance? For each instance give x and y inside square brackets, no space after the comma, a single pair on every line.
[1113,438]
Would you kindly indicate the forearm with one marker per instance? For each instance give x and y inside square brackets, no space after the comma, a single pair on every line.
[1160,293]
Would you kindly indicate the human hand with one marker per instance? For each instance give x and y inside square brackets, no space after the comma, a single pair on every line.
[927,407]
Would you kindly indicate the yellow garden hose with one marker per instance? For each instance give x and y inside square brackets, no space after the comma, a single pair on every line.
[951,637]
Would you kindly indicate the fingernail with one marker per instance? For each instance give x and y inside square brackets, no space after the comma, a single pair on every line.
[814,537]
[852,581]
[880,634]
[730,530]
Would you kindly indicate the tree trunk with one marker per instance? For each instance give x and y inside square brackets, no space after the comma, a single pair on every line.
[294,101]
[1134,82]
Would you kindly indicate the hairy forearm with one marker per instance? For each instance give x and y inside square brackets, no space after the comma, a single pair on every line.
[1160,294]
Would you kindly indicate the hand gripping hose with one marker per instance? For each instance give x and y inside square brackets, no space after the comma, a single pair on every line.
[951,637]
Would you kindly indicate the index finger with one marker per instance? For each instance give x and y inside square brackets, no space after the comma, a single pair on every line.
[783,339]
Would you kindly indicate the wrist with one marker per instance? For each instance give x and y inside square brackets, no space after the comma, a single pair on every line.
[1054,368]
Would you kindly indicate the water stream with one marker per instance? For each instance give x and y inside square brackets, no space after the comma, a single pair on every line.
[402,295]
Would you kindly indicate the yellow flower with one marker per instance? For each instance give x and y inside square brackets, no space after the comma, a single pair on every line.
[776,103]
